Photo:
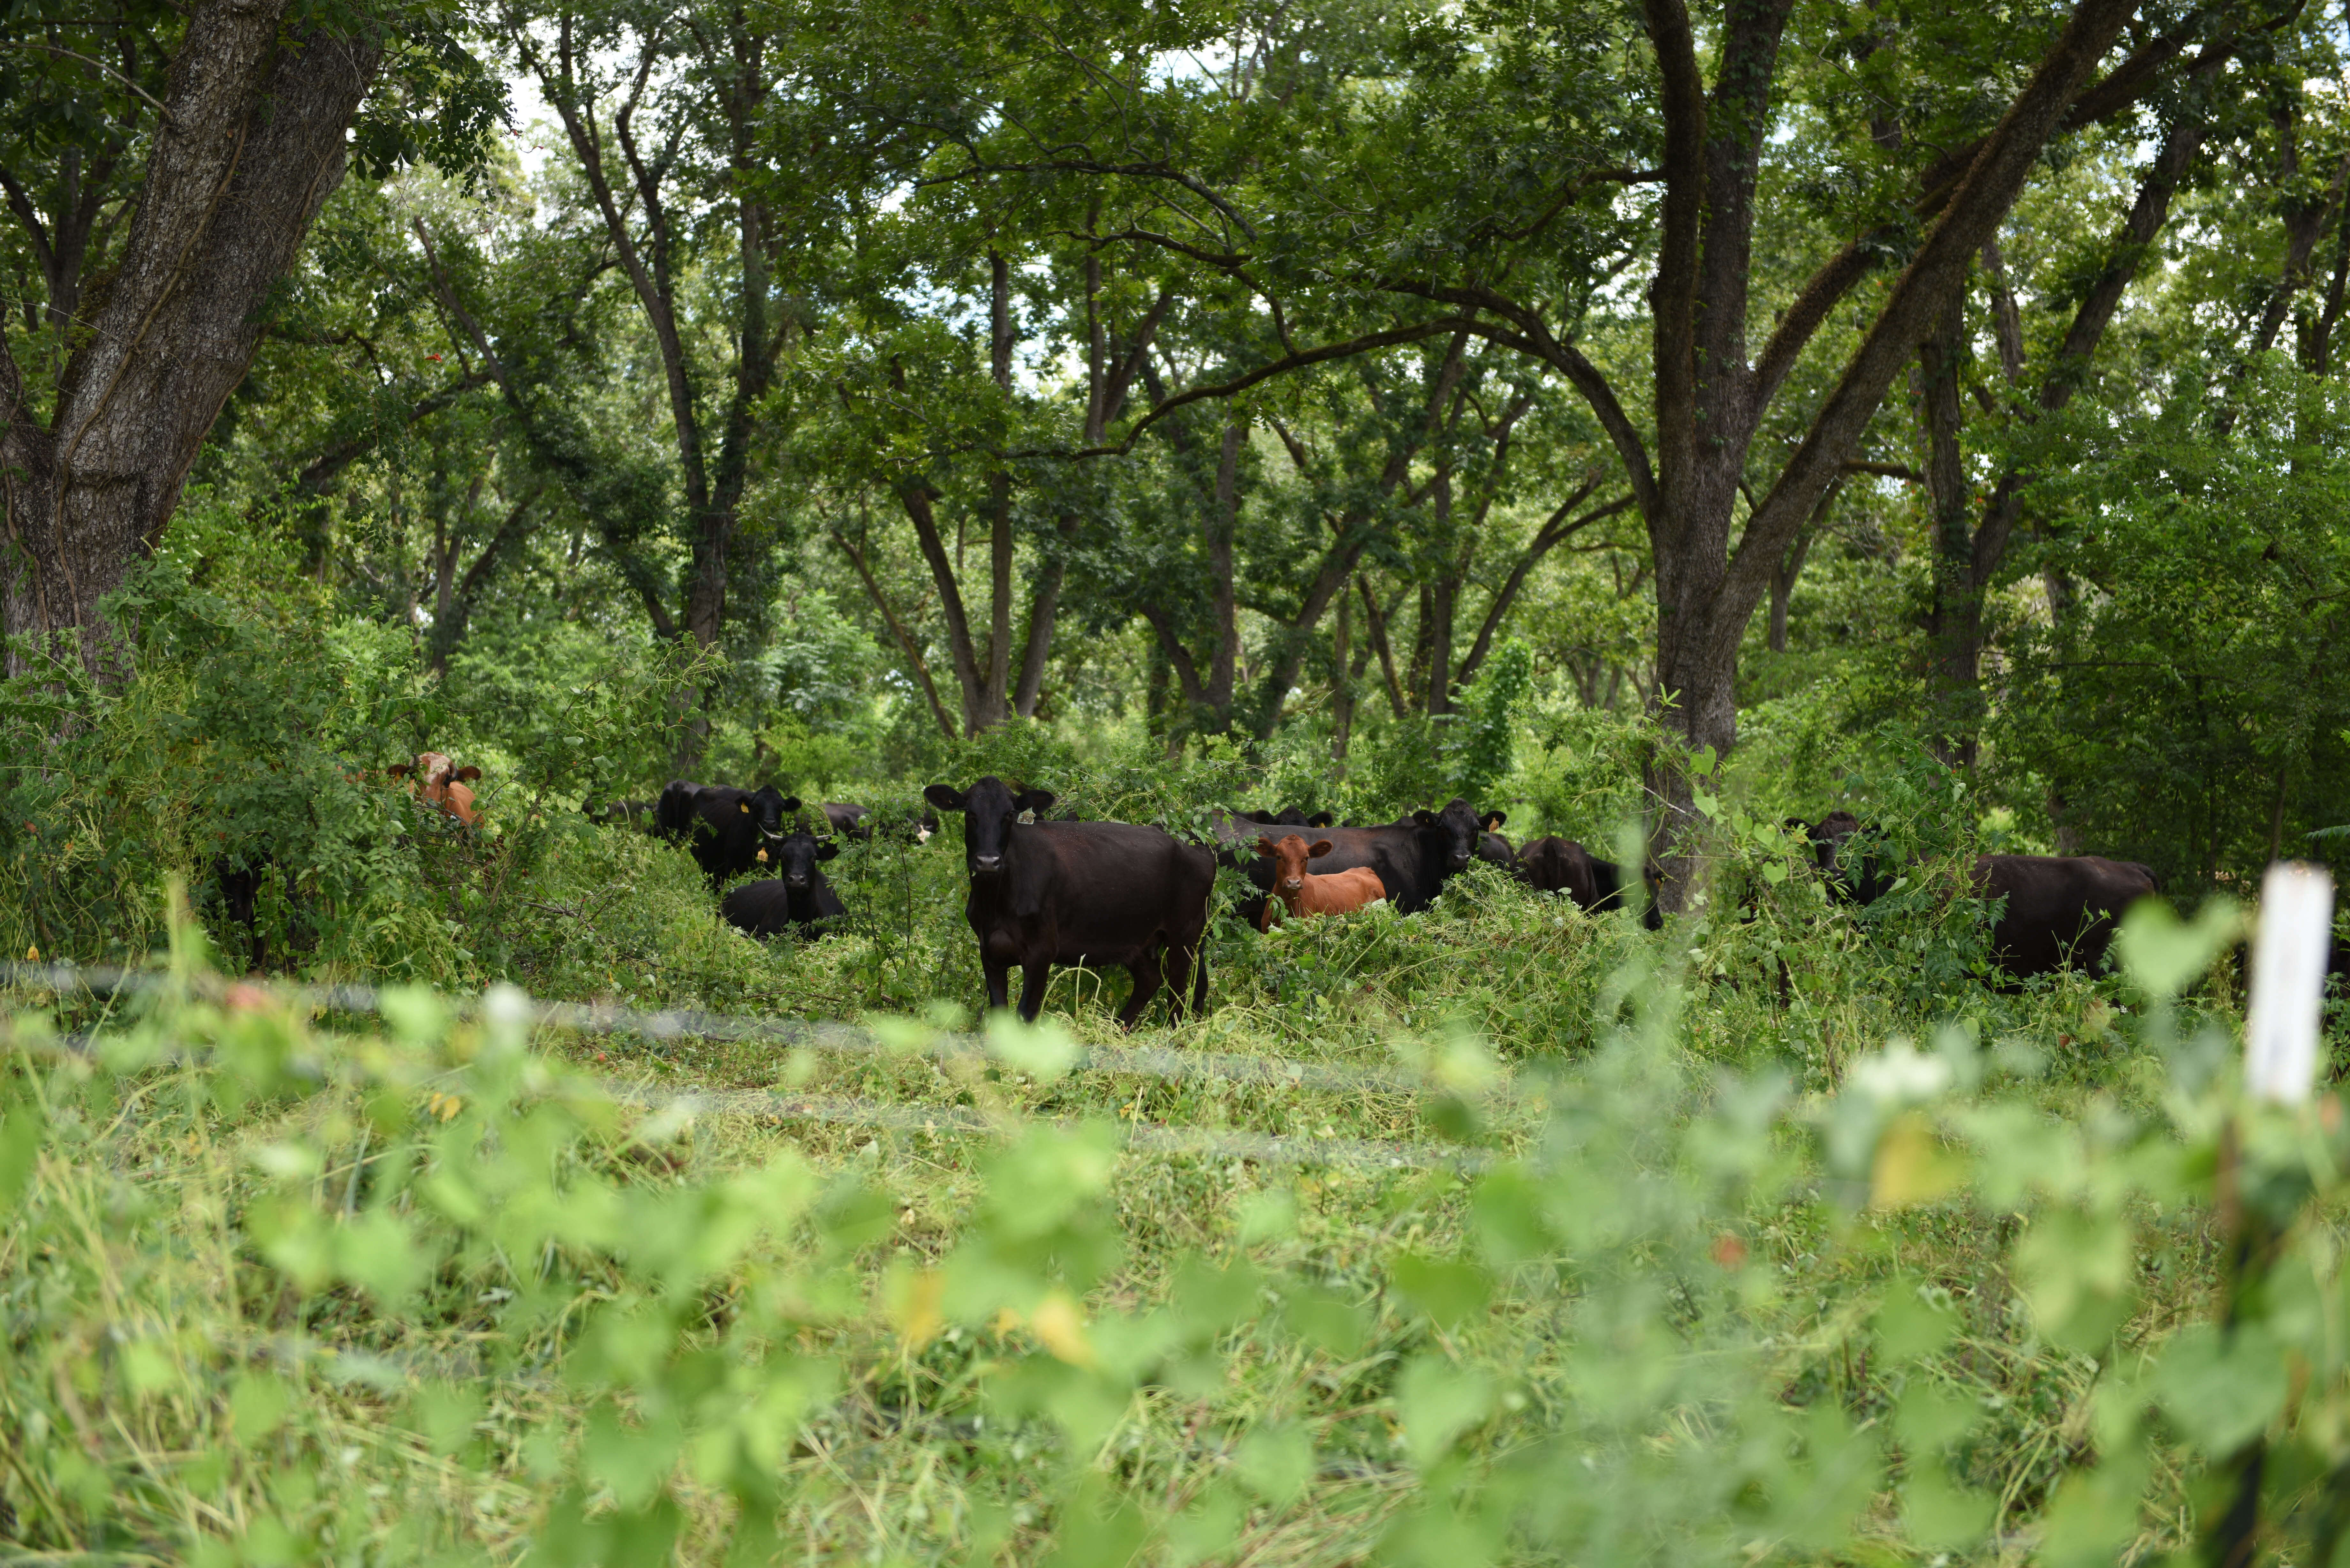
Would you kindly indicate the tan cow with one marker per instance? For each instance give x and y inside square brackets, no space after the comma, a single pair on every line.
[1302,895]
[441,785]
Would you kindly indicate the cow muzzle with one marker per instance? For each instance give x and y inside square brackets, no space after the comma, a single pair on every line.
[1460,862]
[796,881]
[986,864]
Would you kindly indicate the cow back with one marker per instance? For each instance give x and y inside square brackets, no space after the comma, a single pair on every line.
[2058,906]
[1097,891]
[1405,859]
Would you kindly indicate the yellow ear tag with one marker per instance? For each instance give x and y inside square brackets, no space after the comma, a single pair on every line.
[763,858]
[744,807]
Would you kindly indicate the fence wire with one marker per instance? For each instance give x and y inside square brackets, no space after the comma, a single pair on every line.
[844,1039]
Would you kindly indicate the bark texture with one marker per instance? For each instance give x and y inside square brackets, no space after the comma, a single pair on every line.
[253,145]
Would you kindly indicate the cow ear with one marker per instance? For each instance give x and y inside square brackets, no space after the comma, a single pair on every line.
[791,803]
[1424,818]
[1264,847]
[399,770]
[467,774]
[1323,819]
[827,850]
[1321,847]
[1036,799]
[946,797]
[1493,819]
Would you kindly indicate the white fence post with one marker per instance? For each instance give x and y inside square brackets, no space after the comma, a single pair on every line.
[2288,982]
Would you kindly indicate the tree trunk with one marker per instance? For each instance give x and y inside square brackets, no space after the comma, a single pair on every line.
[1342,688]
[454,595]
[1955,621]
[1441,596]
[255,142]
[1708,400]
[1221,521]
[993,702]
[1782,590]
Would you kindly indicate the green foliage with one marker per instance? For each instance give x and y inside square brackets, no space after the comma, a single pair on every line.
[2186,714]
[447,1283]
[1479,749]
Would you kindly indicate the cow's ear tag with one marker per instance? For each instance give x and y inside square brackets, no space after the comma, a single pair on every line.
[1028,819]
[763,858]
[744,807]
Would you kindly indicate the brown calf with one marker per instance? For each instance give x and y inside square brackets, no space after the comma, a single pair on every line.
[437,783]
[1302,895]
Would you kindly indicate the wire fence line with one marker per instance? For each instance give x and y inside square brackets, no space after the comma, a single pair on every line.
[830,1037]
[1276,1148]
[1149,1138]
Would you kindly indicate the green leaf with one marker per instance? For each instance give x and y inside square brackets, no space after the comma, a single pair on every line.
[2163,955]
[1447,1290]
[1437,1401]
[1909,1328]
[22,1133]
[257,1405]
[2222,1389]
[1939,1514]
[1275,1461]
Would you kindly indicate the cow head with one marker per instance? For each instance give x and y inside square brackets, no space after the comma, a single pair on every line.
[1456,829]
[766,807]
[796,857]
[990,807]
[1289,856]
[440,782]
[1852,869]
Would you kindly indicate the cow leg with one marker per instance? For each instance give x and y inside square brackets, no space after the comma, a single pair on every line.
[1145,970]
[999,984]
[1178,978]
[1034,980]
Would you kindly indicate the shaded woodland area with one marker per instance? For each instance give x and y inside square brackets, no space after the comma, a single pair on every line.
[1968,377]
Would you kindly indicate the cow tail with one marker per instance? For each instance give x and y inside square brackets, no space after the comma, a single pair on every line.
[1199,980]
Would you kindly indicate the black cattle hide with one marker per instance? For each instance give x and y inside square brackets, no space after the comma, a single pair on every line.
[2059,909]
[797,895]
[1095,893]
[726,828]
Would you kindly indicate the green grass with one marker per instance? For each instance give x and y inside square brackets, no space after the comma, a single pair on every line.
[286,1287]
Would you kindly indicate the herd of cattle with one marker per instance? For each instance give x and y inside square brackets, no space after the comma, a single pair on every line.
[1048,890]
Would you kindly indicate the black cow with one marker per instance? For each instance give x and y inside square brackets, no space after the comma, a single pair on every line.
[1287,817]
[2060,908]
[1497,851]
[1860,872]
[798,897]
[1554,865]
[857,823]
[729,830]
[1557,865]
[849,821]
[1093,893]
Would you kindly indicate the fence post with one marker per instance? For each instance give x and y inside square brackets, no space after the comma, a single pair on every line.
[2297,923]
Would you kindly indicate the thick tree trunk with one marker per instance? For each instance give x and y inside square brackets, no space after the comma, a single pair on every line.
[1708,400]
[255,142]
